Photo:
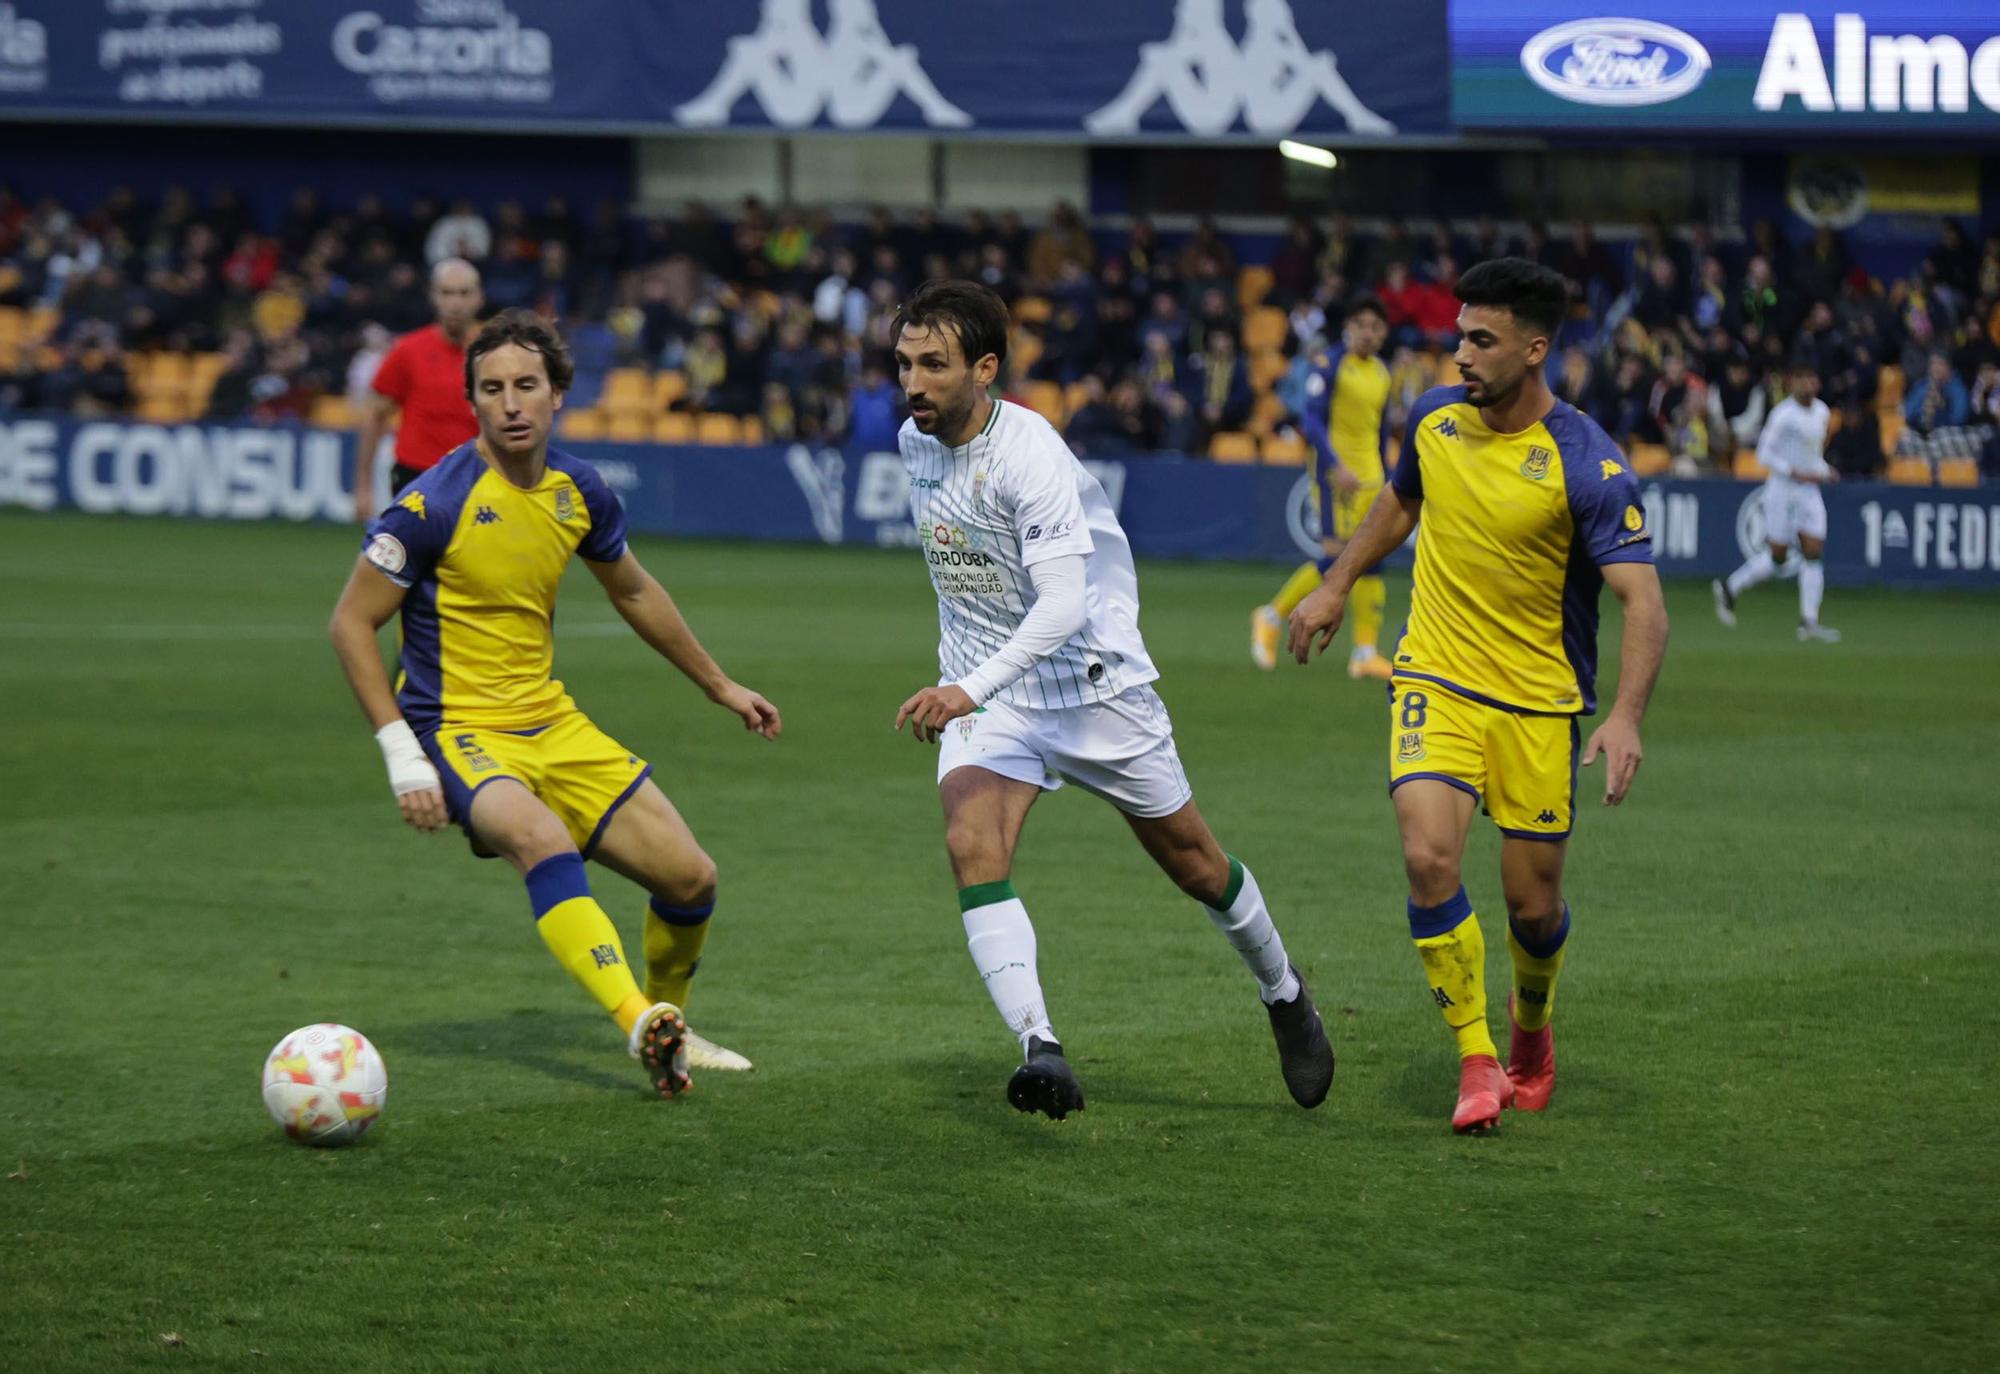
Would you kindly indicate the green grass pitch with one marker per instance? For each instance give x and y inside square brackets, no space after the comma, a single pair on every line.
[1772,1146]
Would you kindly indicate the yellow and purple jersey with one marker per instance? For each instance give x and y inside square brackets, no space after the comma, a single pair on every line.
[482,559]
[1347,419]
[1513,531]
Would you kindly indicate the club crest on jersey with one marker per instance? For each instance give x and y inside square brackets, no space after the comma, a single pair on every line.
[1536,467]
[413,502]
[565,505]
[1410,747]
[1635,519]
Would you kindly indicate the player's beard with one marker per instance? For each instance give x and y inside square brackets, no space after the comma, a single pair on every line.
[1490,397]
[946,420]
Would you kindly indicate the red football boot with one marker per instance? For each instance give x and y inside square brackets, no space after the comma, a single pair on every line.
[1531,1064]
[1484,1090]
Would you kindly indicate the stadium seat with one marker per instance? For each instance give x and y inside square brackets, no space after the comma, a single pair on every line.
[13,324]
[626,389]
[42,322]
[1074,397]
[1253,284]
[1267,366]
[1908,471]
[165,409]
[1046,400]
[1891,422]
[1265,412]
[164,374]
[1958,472]
[1285,450]
[675,427]
[582,424]
[753,430]
[1024,349]
[331,412]
[628,427]
[1747,468]
[1650,460]
[1890,391]
[1033,310]
[1233,446]
[1264,328]
[10,355]
[718,430]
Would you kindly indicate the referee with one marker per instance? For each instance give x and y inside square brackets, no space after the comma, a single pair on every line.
[423,375]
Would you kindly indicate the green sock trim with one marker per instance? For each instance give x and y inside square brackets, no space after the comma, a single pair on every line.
[985,894]
[1235,883]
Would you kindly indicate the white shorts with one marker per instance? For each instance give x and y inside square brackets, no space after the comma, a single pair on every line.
[1122,750]
[1792,509]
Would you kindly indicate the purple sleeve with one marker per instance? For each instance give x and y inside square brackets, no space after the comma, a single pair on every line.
[1604,501]
[1408,477]
[406,540]
[605,543]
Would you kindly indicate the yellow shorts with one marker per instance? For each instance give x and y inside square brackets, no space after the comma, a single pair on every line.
[578,771]
[1351,508]
[1522,767]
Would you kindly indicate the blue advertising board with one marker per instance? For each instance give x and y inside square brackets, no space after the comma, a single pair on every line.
[1832,67]
[1249,69]
[1171,507]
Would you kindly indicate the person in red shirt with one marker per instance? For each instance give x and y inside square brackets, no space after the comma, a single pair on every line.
[423,375]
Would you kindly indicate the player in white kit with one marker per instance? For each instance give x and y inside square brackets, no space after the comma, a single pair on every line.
[1043,678]
[1793,449]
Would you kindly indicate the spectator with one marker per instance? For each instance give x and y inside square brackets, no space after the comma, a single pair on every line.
[1939,401]
[1220,385]
[1658,303]
[1064,238]
[1736,407]
[1856,447]
[1294,266]
[876,410]
[461,234]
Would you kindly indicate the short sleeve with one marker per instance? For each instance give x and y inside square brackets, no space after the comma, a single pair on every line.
[392,378]
[405,541]
[605,541]
[1604,502]
[1408,477]
[1048,511]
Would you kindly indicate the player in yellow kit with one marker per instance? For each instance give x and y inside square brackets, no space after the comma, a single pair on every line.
[1347,422]
[478,732]
[1524,510]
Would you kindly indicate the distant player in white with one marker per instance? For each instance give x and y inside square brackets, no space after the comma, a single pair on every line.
[1043,679]
[1793,448]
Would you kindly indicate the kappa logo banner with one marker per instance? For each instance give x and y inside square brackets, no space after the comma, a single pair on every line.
[1728,66]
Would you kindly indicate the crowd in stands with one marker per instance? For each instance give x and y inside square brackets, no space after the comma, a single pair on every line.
[776,324]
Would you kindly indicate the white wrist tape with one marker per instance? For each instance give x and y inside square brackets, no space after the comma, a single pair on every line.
[409,770]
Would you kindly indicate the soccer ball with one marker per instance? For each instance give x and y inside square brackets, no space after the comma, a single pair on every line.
[325,1084]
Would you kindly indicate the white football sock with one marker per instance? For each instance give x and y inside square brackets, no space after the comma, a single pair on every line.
[1812,586]
[1247,926]
[1760,568]
[1001,941]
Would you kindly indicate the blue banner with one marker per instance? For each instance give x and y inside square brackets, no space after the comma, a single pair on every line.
[1171,507]
[1249,69]
[1833,67]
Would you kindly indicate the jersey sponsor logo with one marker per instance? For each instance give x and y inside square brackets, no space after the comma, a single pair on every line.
[1536,466]
[565,505]
[1209,79]
[413,502]
[1447,426]
[1036,533]
[486,515]
[851,74]
[24,52]
[470,50]
[1410,747]
[386,552]
[1635,519]
[1617,62]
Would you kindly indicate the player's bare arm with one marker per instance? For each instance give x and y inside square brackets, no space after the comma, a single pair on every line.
[645,605]
[1318,617]
[366,604]
[376,418]
[1640,653]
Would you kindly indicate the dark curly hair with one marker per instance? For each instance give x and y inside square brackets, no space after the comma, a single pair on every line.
[972,312]
[530,331]
[1537,296]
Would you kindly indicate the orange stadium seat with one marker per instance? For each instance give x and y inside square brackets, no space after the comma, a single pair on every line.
[1891,422]
[1907,471]
[1889,396]
[330,412]
[675,427]
[718,430]
[1074,396]
[753,430]
[628,427]
[1747,468]
[1265,412]
[1024,349]
[165,374]
[1046,400]
[13,324]
[1253,284]
[1285,450]
[1033,310]
[1267,366]
[1958,472]
[1650,460]
[668,387]
[42,322]
[582,423]
[1264,328]
[165,409]
[626,390]
[1232,446]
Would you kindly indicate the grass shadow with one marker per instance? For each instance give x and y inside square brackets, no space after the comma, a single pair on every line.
[531,1039]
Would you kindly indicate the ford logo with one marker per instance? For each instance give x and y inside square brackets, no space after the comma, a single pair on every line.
[1615,62]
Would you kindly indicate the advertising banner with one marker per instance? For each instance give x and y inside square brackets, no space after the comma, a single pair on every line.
[1248,69]
[1833,67]
[1171,507]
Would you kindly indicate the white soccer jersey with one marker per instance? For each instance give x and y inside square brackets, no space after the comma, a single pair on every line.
[1794,440]
[987,511]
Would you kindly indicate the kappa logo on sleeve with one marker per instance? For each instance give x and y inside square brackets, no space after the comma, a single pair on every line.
[413,501]
[386,552]
[1610,467]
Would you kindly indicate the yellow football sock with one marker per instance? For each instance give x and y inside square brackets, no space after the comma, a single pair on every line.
[674,937]
[582,938]
[1535,974]
[1454,954]
[1297,587]
[1364,609]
